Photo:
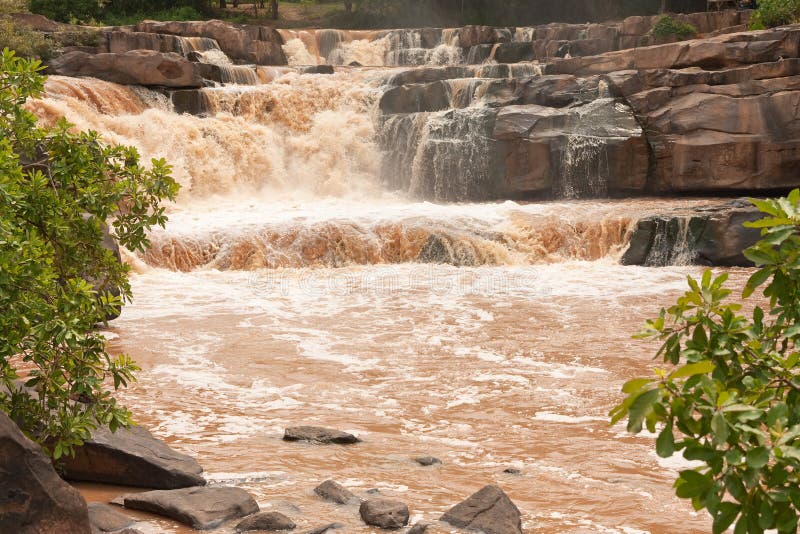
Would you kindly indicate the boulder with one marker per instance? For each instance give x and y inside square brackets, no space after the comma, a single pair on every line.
[334,492]
[427,461]
[201,508]
[318,434]
[137,67]
[489,510]
[33,499]
[132,457]
[106,519]
[415,98]
[418,528]
[712,235]
[384,513]
[241,42]
[265,521]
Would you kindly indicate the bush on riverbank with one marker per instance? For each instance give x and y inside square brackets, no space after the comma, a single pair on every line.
[667,27]
[771,13]
[57,279]
[731,396]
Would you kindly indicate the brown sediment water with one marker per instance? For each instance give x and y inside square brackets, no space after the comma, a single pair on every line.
[289,288]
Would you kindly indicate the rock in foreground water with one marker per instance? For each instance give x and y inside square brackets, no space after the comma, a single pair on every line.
[265,521]
[325,528]
[489,510]
[318,434]
[132,457]
[106,519]
[427,460]
[201,508]
[334,492]
[34,499]
[384,513]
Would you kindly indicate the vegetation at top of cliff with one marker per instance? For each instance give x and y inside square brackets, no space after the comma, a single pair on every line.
[667,27]
[58,190]
[771,13]
[730,397]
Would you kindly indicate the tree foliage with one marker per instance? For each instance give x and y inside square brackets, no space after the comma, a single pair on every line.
[57,280]
[775,13]
[732,398]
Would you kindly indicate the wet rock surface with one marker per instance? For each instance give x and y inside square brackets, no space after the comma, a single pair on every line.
[104,518]
[201,508]
[427,461]
[33,499]
[269,521]
[335,492]
[384,513]
[316,434]
[488,510]
[132,457]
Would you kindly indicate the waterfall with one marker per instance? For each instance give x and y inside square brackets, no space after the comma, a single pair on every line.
[584,168]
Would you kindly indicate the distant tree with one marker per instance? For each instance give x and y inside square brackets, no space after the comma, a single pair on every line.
[274,6]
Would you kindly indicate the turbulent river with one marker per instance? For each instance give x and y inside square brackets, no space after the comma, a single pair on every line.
[291,286]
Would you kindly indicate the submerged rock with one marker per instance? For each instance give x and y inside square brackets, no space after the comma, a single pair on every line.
[335,492]
[132,457]
[201,508]
[318,434]
[384,513]
[325,528]
[489,510]
[265,521]
[106,519]
[427,460]
[419,528]
[33,499]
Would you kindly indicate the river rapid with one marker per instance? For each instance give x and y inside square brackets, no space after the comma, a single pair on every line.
[292,287]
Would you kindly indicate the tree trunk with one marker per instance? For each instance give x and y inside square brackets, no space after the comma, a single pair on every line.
[275,9]
[223,4]
[663,6]
[348,6]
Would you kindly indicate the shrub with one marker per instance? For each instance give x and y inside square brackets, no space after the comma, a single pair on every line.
[667,27]
[730,398]
[57,280]
[772,13]
[27,43]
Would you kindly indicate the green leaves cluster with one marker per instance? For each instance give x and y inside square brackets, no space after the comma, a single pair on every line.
[772,13]
[58,189]
[732,401]
[667,27]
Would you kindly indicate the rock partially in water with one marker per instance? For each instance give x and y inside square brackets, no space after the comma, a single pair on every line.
[419,528]
[712,235]
[132,457]
[489,510]
[325,528]
[384,513]
[201,508]
[427,460]
[265,521]
[334,492]
[106,519]
[317,434]
[512,471]
[34,499]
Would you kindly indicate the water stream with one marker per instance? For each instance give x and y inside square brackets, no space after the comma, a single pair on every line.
[293,285]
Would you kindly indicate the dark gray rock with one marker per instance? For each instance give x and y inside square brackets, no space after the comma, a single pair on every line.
[512,471]
[335,492]
[427,460]
[265,521]
[318,69]
[318,434]
[384,513]
[106,519]
[489,510]
[419,528]
[325,528]
[33,499]
[201,508]
[132,457]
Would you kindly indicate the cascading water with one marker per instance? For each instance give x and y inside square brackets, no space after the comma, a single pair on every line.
[305,277]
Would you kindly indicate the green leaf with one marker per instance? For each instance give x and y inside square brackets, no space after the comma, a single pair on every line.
[755,280]
[757,457]
[691,369]
[665,443]
[719,429]
[692,484]
[639,409]
[727,513]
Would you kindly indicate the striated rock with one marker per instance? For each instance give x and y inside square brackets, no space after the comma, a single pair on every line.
[138,67]
[384,513]
[318,434]
[427,460]
[201,508]
[241,42]
[132,457]
[712,235]
[106,519]
[415,98]
[335,492]
[489,510]
[33,498]
[265,521]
